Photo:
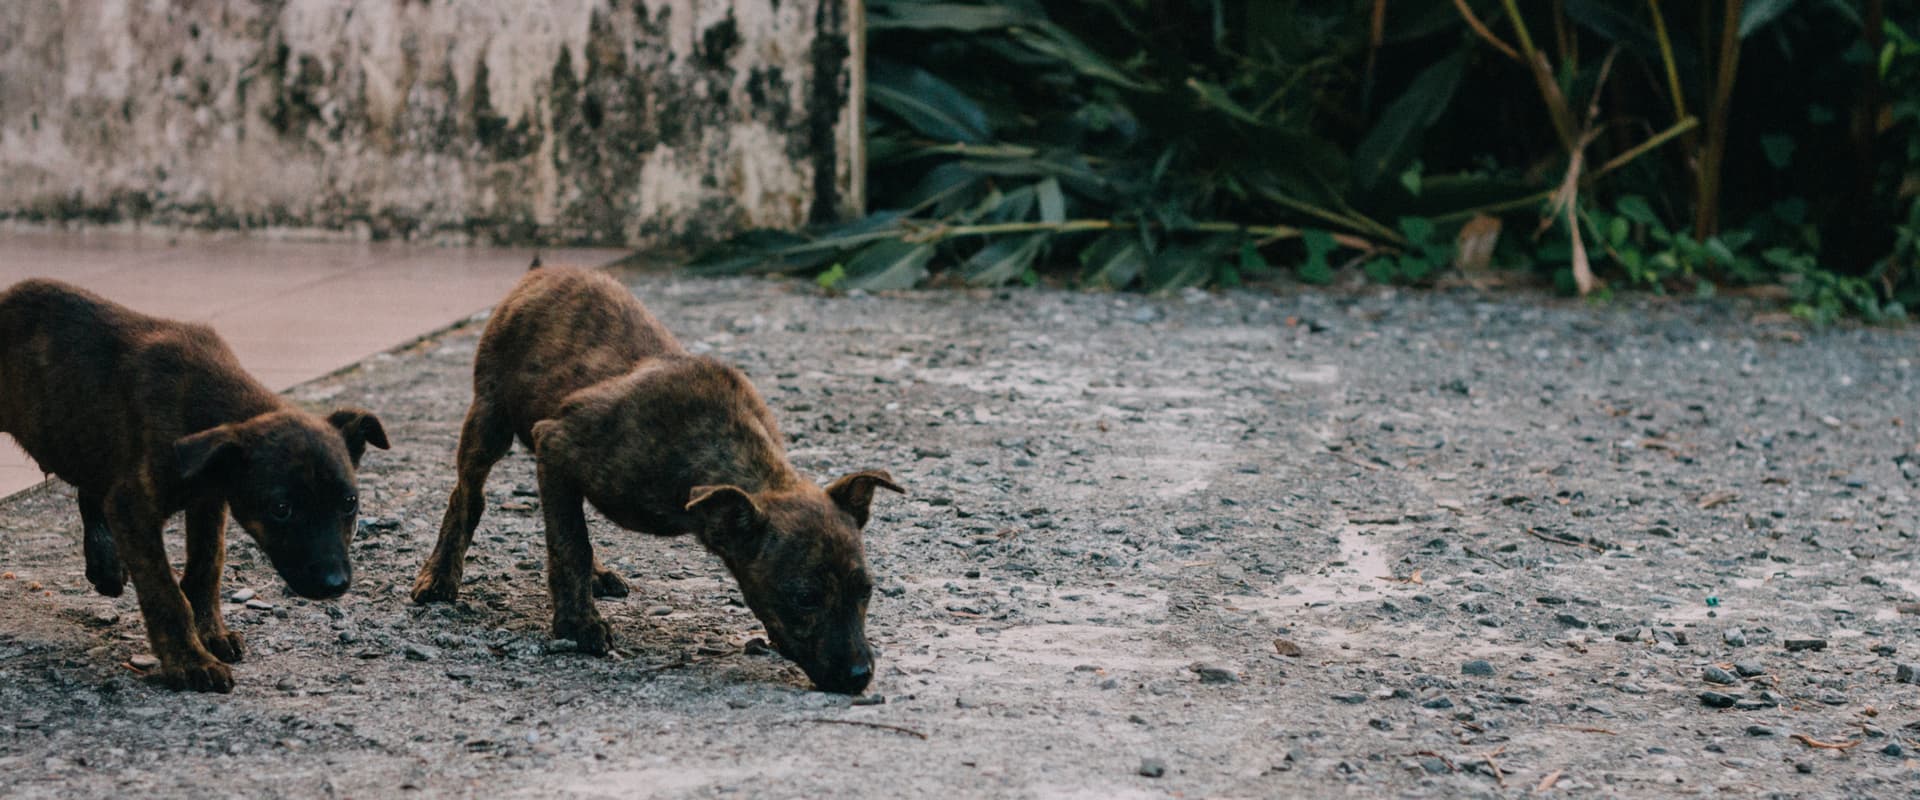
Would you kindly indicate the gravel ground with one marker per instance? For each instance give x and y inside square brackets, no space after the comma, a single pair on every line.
[1238,545]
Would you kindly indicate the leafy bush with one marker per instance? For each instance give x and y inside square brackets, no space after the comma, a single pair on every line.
[1168,143]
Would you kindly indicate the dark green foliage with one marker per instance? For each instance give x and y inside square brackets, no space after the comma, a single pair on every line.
[1158,144]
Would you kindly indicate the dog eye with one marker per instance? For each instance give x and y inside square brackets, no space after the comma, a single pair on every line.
[282,512]
[809,598]
[351,504]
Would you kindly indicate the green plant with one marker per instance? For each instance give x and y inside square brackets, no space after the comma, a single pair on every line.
[1897,66]
[1422,258]
[1155,153]
[1166,143]
[1653,257]
[831,278]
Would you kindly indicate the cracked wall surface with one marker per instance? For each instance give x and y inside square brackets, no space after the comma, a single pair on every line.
[636,122]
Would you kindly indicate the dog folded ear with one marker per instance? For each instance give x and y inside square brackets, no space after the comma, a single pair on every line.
[207,454]
[853,492]
[360,428]
[729,518]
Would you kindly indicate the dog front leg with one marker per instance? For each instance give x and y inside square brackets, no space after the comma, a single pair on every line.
[570,564]
[136,522]
[206,560]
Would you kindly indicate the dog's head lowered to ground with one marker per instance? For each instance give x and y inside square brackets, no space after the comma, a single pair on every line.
[798,557]
[288,479]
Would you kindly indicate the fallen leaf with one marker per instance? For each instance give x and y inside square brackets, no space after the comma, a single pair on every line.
[1765,291]
[1820,745]
[1717,499]
[1473,249]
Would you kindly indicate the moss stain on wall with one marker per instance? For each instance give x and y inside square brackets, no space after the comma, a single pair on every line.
[635,122]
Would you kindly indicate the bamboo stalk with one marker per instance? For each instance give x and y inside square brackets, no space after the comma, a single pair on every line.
[1683,126]
[1543,77]
[935,233]
[996,150]
[1353,222]
[1666,59]
[1480,29]
[924,233]
[1569,46]
[1588,179]
[1707,208]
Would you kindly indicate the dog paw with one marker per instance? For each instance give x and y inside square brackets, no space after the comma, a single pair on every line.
[107,580]
[225,645]
[590,634]
[607,584]
[209,676]
[433,588]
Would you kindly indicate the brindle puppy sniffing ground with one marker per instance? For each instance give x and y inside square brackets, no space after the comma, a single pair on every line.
[146,417]
[661,442]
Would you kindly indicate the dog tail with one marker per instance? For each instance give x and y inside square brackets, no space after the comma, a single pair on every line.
[536,262]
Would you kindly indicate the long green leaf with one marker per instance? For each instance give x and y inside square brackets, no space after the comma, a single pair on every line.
[1053,204]
[930,105]
[1395,139]
[1216,96]
[1179,267]
[892,264]
[939,188]
[1607,19]
[1053,40]
[1757,13]
[1016,205]
[943,16]
[1113,261]
[1003,260]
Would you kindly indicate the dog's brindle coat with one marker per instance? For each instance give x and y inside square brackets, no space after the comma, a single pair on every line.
[661,442]
[146,417]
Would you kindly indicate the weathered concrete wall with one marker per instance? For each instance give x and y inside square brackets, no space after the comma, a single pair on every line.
[604,121]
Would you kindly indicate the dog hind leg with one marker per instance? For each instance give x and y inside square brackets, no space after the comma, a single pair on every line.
[485,438]
[104,570]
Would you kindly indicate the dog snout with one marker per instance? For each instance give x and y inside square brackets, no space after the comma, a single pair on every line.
[860,674]
[327,582]
[850,678]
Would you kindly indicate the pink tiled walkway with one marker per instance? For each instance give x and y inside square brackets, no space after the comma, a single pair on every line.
[293,311]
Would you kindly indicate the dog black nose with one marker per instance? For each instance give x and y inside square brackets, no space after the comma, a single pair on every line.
[853,681]
[331,582]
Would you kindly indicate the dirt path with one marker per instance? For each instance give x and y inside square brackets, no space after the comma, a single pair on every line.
[1511,543]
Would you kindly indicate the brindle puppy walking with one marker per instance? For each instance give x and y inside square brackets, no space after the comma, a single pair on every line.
[661,442]
[146,417]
